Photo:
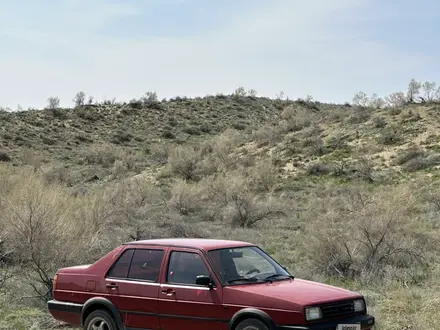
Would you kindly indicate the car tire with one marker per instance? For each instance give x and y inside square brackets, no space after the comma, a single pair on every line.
[251,324]
[98,320]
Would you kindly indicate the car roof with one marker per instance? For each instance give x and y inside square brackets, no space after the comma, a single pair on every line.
[198,243]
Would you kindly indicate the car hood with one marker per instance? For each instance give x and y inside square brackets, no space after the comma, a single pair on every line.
[294,293]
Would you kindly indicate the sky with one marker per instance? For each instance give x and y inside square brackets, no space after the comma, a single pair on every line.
[122,49]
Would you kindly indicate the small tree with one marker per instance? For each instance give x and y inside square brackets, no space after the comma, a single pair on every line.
[79,99]
[395,99]
[437,94]
[280,95]
[240,92]
[413,90]
[53,103]
[149,98]
[252,92]
[309,98]
[360,99]
[375,101]
[429,89]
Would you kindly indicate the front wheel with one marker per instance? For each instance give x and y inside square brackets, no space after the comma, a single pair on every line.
[100,320]
[251,324]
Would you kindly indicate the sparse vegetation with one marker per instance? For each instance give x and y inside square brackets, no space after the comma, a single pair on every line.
[343,194]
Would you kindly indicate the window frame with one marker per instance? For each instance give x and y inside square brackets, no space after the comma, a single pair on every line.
[112,266]
[218,273]
[204,261]
[126,278]
[159,270]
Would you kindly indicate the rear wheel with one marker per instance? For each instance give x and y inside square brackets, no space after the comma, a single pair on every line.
[100,320]
[251,324]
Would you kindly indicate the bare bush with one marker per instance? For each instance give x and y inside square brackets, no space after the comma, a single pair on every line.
[36,229]
[184,162]
[318,169]
[262,176]
[366,236]
[136,206]
[379,122]
[266,135]
[391,136]
[6,271]
[422,162]
[315,146]
[365,169]
[107,156]
[150,100]
[360,115]
[409,154]
[159,154]
[245,209]
[30,157]
[119,169]
[296,118]
[186,199]
[4,156]
[219,152]
[45,227]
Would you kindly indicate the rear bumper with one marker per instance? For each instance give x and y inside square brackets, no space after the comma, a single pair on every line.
[366,322]
[62,306]
[69,313]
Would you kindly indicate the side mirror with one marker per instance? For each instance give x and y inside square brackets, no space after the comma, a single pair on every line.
[204,280]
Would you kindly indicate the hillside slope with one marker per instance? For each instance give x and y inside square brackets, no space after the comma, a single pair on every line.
[90,139]
[338,193]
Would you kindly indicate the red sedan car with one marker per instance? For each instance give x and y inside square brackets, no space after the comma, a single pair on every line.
[199,284]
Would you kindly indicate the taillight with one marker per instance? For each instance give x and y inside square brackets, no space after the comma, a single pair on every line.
[54,282]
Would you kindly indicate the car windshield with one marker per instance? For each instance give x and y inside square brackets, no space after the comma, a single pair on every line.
[245,265]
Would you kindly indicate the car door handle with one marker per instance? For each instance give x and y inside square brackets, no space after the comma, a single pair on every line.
[168,292]
[111,285]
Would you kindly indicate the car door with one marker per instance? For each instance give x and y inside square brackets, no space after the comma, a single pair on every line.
[135,290]
[184,305]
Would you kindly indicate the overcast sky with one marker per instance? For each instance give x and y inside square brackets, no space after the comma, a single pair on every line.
[328,49]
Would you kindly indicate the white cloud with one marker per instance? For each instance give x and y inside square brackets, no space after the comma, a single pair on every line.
[281,45]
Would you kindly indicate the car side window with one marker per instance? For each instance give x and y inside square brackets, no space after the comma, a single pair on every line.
[145,264]
[184,267]
[121,266]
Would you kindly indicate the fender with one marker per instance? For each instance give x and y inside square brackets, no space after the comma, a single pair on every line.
[251,313]
[98,301]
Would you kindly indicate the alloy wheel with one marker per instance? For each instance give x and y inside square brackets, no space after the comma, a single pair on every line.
[98,323]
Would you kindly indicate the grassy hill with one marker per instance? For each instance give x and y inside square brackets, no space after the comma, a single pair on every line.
[342,194]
